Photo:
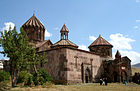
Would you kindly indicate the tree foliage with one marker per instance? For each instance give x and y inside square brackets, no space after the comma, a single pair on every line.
[4,76]
[20,52]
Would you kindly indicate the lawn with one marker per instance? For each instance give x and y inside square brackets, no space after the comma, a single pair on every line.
[83,87]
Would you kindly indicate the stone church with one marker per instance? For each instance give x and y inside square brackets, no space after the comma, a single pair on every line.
[68,63]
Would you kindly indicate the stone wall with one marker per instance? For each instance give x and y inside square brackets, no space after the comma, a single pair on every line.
[34,34]
[56,65]
[103,51]
[71,65]
[75,60]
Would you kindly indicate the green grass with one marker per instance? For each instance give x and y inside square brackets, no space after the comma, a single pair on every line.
[83,87]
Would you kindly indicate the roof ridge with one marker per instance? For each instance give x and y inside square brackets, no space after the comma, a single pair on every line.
[64,29]
[100,41]
[33,21]
[64,42]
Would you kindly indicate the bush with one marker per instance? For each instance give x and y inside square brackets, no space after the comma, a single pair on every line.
[45,75]
[38,79]
[41,77]
[28,79]
[21,76]
[136,78]
[25,77]
[4,76]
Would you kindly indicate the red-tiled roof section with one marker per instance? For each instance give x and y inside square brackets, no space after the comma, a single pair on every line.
[100,41]
[64,29]
[33,21]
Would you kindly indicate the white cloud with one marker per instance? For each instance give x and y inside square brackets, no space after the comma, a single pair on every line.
[8,25]
[92,38]
[83,47]
[122,43]
[119,41]
[47,34]
[137,1]
[134,56]
[138,20]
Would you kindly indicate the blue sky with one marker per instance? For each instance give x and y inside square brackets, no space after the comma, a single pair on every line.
[118,21]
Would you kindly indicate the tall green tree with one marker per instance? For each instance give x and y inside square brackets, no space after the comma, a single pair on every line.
[20,52]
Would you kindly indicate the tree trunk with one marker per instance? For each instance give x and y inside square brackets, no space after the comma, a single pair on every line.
[35,68]
[13,79]
[14,72]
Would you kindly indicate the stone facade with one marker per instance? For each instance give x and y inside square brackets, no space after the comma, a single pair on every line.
[83,66]
[118,70]
[68,63]
[73,65]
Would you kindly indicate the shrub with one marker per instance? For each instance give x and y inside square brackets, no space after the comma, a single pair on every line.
[41,77]
[25,77]
[21,76]
[38,79]
[45,75]
[136,78]
[28,79]
[4,76]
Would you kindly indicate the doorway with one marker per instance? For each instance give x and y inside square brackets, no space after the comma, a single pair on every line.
[115,76]
[87,75]
[123,76]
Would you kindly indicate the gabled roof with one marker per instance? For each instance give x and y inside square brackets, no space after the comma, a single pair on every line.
[125,58]
[64,42]
[64,29]
[100,41]
[33,22]
[39,44]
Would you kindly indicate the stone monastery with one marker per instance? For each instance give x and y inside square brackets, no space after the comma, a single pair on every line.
[68,63]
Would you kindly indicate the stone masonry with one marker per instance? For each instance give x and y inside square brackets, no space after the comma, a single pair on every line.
[68,63]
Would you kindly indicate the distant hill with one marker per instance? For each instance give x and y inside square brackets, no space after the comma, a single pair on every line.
[136,65]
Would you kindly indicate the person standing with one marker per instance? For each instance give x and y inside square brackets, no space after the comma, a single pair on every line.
[106,81]
[101,81]
[125,82]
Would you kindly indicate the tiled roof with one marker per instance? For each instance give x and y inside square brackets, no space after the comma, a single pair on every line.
[100,41]
[64,29]
[33,22]
[64,42]
[39,44]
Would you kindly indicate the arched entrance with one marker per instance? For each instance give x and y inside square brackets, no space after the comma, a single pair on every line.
[115,77]
[87,75]
[123,76]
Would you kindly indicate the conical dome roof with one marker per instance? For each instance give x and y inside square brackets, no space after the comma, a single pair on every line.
[64,41]
[33,22]
[64,29]
[100,41]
